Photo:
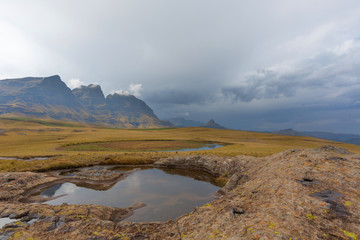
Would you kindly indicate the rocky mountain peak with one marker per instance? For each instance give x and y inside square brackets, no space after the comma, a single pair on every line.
[127,103]
[90,96]
[50,98]
[213,124]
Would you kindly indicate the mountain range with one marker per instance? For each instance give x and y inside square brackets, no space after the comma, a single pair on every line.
[51,98]
[338,137]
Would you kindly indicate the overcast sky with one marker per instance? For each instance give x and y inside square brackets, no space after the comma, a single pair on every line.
[250,64]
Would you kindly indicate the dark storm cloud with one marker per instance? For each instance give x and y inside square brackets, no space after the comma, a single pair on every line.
[198,58]
[264,85]
[170,97]
[327,73]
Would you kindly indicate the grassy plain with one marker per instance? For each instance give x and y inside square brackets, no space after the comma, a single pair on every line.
[75,145]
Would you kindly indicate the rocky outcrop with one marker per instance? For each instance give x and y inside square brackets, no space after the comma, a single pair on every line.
[127,104]
[214,165]
[296,194]
[91,97]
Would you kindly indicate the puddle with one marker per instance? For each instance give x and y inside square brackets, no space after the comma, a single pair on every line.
[206,147]
[167,193]
[25,159]
[4,221]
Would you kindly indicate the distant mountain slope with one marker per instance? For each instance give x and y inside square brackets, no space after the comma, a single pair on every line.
[339,137]
[40,98]
[288,132]
[182,122]
[50,98]
[213,124]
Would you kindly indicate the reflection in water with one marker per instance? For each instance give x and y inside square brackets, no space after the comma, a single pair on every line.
[25,159]
[167,195]
[206,147]
[4,221]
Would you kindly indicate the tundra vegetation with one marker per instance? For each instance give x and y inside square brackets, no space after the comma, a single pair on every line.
[275,186]
[70,145]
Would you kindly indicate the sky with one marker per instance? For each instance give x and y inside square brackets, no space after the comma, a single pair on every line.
[252,64]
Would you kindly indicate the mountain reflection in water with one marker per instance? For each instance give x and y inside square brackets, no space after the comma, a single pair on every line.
[167,193]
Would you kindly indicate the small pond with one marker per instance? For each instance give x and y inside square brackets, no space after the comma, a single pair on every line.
[4,221]
[206,147]
[168,193]
[143,146]
[25,159]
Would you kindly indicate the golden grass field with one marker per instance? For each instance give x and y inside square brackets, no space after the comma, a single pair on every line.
[75,145]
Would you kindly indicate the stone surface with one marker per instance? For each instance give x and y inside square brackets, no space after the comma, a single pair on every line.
[263,199]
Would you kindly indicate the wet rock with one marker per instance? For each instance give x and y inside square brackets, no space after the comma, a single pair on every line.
[306,181]
[327,195]
[331,197]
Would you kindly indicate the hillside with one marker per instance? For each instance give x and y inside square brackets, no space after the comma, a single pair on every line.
[73,144]
[50,98]
[339,137]
[182,122]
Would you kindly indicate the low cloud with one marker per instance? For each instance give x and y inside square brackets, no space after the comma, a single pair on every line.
[136,89]
[133,89]
[74,83]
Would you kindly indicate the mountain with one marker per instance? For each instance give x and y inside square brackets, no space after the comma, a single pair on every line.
[182,122]
[338,137]
[50,98]
[90,97]
[288,132]
[213,124]
[40,98]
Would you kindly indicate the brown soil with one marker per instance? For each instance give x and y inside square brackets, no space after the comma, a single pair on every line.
[296,194]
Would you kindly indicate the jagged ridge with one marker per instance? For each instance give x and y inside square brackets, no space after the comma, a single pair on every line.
[50,98]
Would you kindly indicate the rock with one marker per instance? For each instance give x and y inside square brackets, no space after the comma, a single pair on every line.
[237,211]
[330,148]
[263,194]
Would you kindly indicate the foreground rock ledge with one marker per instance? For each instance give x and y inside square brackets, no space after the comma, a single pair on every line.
[296,194]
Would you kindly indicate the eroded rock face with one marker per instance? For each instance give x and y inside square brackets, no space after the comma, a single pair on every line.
[213,164]
[296,194]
